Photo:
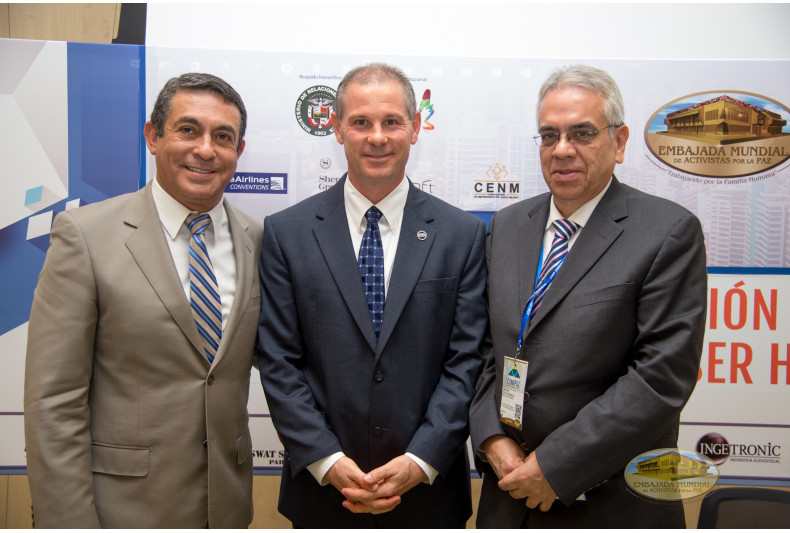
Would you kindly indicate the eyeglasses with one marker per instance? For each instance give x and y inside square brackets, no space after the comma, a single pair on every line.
[550,138]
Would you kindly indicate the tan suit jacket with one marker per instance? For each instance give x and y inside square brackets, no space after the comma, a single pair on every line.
[126,425]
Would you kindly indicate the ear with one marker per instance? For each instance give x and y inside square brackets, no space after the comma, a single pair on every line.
[241,148]
[151,137]
[415,127]
[336,126]
[620,138]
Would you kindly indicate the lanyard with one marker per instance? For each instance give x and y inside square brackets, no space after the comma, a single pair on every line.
[531,301]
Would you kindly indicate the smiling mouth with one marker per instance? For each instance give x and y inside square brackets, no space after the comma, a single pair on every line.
[200,170]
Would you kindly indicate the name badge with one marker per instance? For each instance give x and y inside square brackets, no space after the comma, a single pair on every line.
[514,384]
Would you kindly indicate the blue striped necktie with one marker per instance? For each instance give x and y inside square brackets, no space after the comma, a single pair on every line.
[371,268]
[204,294]
[563,230]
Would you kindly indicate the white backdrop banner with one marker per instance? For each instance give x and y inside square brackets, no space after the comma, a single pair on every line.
[710,135]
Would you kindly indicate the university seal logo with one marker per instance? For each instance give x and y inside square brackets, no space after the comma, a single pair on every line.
[721,134]
[314,110]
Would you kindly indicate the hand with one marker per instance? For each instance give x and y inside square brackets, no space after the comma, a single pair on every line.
[344,474]
[391,481]
[527,481]
[503,454]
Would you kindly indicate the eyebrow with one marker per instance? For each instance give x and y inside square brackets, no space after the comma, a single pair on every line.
[196,122]
[579,126]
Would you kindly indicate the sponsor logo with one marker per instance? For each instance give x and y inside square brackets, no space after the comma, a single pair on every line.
[425,185]
[716,447]
[426,105]
[325,163]
[314,110]
[258,183]
[268,457]
[497,185]
[671,475]
[723,134]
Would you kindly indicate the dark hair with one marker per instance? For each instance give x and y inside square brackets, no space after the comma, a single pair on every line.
[195,81]
[372,74]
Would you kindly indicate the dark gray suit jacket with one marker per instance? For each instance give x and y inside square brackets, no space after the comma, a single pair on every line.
[331,387]
[613,351]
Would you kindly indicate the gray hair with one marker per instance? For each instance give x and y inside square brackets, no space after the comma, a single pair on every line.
[196,81]
[372,74]
[592,79]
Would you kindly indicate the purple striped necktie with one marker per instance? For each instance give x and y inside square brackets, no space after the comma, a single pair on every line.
[204,294]
[563,230]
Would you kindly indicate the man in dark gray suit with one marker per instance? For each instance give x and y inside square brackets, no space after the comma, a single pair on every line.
[372,405]
[609,335]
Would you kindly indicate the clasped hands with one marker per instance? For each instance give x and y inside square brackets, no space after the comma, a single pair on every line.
[378,491]
[520,475]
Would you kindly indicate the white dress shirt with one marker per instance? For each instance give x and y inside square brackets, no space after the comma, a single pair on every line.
[173,214]
[391,208]
[580,216]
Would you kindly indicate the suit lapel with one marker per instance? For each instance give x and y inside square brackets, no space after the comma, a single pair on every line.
[243,250]
[601,230]
[409,260]
[150,250]
[529,248]
[331,232]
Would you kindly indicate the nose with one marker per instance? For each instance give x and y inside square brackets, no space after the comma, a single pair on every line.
[204,147]
[377,137]
[564,147]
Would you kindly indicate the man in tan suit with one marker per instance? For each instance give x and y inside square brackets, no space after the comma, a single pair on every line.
[133,418]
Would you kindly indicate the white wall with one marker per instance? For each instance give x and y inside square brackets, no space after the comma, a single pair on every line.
[498,29]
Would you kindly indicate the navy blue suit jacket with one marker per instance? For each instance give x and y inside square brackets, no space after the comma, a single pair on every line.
[331,387]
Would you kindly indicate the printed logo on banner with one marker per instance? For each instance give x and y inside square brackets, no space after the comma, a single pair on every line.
[426,105]
[722,135]
[314,110]
[716,447]
[258,183]
[264,458]
[498,185]
[671,475]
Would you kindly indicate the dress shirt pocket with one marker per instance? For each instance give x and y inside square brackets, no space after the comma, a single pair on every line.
[243,448]
[433,285]
[120,460]
[606,294]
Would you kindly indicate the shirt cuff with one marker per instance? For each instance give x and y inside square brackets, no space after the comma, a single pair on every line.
[430,471]
[322,466]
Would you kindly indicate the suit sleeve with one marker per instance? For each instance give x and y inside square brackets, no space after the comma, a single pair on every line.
[281,353]
[58,368]
[445,426]
[640,407]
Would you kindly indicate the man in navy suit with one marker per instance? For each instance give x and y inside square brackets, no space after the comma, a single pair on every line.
[372,406]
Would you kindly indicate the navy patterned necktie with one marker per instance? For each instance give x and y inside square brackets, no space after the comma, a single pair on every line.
[371,268]
[563,230]
[204,294]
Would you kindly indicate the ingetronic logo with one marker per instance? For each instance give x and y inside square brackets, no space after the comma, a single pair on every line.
[718,450]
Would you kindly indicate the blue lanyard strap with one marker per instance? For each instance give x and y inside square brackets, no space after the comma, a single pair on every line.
[531,301]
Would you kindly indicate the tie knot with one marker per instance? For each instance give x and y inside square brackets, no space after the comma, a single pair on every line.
[373,214]
[564,229]
[198,222]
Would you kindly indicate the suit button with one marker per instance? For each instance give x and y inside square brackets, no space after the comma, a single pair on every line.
[210,380]
[205,444]
[526,396]
[379,376]
[377,431]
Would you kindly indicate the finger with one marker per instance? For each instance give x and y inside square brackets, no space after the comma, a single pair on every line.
[545,506]
[376,506]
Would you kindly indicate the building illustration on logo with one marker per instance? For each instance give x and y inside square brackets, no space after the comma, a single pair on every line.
[724,120]
[672,466]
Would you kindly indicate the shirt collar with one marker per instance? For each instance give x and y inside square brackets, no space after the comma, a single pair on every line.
[581,215]
[391,206]
[173,213]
